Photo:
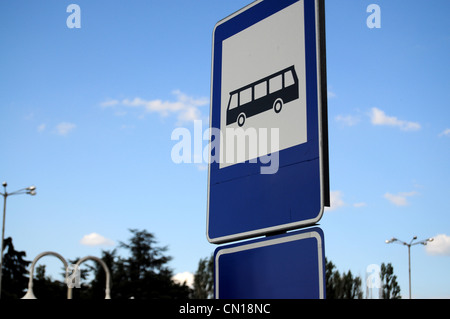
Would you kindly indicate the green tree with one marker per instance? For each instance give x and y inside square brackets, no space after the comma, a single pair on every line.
[204,279]
[332,280]
[145,256]
[391,289]
[145,274]
[46,288]
[351,286]
[15,272]
[344,286]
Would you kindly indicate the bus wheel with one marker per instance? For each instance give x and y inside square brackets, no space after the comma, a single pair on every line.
[241,119]
[278,105]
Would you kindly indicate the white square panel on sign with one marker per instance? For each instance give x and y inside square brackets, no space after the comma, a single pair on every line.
[261,67]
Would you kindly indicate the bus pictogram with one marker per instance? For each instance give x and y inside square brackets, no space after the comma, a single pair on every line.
[270,92]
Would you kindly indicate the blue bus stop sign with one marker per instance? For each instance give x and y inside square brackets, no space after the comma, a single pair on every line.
[268,169]
[289,266]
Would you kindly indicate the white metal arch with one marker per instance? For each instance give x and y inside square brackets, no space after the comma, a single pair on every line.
[30,294]
[108,275]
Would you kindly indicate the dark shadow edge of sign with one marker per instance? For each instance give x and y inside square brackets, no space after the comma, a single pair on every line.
[324,103]
[267,231]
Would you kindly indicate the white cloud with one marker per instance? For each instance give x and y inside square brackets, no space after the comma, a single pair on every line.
[439,246]
[348,120]
[109,103]
[41,128]
[378,117]
[64,128]
[186,108]
[336,201]
[184,277]
[164,108]
[331,94]
[190,114]
[446,132]
[400,199]
[94,239]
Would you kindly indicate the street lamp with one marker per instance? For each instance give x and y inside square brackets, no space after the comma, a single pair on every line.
[29,294]
[423,242]
[30,191]
[105,268]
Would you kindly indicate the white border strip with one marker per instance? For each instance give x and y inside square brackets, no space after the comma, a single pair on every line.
[226,238]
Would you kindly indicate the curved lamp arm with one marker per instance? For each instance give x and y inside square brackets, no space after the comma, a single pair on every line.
[108,275]
[30,294]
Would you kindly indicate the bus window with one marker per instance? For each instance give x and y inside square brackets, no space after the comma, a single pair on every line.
[260,90]
[245,96]
[275,84]
[233,103]
[288,79]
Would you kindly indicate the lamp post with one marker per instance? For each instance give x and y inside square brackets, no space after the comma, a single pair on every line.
[105,267]
[423,242]
[29,294]
[30,191]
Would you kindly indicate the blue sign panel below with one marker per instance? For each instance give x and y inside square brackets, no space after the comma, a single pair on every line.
[288,266]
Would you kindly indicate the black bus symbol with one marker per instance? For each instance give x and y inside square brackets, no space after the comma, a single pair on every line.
[267,93]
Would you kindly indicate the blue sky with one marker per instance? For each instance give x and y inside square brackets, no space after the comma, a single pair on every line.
[87,116]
